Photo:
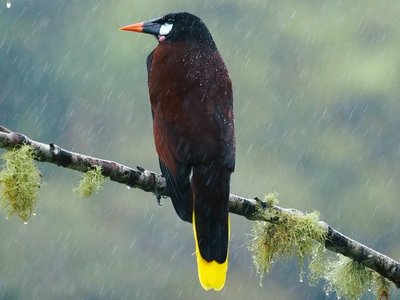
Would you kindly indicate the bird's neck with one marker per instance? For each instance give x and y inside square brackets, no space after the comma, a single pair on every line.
[197,42]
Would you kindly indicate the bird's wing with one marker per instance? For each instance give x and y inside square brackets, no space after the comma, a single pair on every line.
[178,187]
[174,166]
[223,116]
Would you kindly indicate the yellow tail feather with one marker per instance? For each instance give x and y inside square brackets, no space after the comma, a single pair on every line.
[212,274]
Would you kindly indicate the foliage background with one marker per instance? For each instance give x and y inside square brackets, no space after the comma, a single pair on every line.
[316,85]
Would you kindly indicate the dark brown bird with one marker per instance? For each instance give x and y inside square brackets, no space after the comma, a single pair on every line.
[191,103]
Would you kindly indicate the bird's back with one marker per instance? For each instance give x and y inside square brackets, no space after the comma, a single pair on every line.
[191,94]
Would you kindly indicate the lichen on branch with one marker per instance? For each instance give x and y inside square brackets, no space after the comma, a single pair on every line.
[345,277]
[296,235]
[91,182]
[301,236]
[19,182]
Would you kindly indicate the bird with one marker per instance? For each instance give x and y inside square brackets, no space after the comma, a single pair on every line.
[191,99]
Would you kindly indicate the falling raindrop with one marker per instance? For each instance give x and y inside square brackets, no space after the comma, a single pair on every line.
[128,187]
[34,214]
[8,4]
[25,223]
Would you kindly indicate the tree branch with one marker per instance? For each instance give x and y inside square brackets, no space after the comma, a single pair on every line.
[248,208]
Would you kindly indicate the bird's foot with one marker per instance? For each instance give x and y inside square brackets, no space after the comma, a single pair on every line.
[158,197]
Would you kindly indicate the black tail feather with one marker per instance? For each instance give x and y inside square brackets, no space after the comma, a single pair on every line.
[210,186]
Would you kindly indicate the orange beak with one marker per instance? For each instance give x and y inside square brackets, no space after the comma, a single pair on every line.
[150,27]
[137,27]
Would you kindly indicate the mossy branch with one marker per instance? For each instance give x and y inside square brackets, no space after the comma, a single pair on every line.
[248,208]
[302,236]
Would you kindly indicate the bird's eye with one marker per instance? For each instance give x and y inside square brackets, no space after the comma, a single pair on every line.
[170,20]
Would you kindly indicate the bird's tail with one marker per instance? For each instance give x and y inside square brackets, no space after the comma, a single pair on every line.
[212,274]
[210,187]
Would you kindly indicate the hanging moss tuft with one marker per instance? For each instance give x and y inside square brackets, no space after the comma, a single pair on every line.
[296,236]
[347,278]
[19,182]
[302,236]
[91,182]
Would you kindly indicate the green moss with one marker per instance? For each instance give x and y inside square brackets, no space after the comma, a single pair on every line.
[19,181]
[296,236]
[319,265]
[91,182]
[346,277]
[380,286]
[271,199]
[301,236]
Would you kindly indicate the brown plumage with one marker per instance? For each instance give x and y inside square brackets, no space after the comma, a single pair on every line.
[191,102]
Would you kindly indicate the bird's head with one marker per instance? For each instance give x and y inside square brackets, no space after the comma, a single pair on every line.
[173,26]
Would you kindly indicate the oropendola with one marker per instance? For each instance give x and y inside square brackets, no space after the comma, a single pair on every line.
[191,104]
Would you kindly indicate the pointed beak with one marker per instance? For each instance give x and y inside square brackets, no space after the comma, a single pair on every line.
[137,27]
[150,27]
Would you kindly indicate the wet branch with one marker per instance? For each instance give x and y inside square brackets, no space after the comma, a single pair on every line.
[155,183]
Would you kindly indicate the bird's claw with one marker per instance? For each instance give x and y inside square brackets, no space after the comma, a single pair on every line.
[158,197]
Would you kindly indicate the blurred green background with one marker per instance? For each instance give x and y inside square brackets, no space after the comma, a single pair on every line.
[316,90]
